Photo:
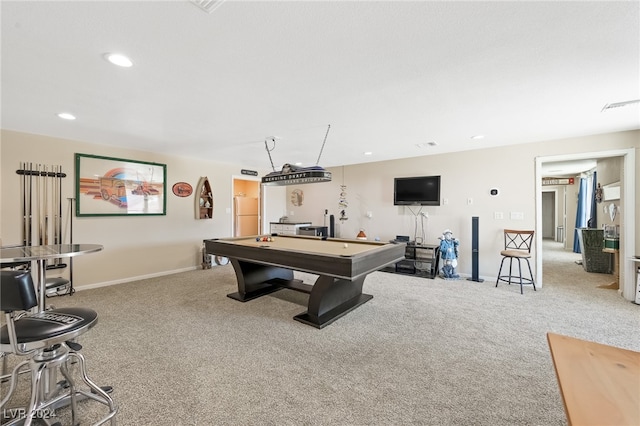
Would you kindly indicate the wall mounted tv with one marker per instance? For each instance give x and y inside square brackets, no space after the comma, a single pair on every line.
[416,191]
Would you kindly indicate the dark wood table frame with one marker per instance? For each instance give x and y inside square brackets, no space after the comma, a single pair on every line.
[261,270]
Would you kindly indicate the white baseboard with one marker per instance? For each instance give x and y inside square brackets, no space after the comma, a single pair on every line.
[130,279]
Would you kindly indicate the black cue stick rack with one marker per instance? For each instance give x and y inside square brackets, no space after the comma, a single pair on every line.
[42,216]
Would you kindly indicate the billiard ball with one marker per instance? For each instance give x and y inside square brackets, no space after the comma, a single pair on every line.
[258,239]
[346,245]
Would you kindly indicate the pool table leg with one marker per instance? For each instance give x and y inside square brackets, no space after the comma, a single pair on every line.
[257,280]
[331,298]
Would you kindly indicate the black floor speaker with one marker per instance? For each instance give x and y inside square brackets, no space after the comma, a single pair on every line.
[475,244]
[332,226]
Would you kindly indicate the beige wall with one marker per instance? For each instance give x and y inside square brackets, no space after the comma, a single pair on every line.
[469,174]
[146,246]
[134,247]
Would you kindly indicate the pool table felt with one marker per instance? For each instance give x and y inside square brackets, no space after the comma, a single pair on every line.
[311,245]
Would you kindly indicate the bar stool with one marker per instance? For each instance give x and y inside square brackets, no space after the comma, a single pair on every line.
[45,339]
[517,245]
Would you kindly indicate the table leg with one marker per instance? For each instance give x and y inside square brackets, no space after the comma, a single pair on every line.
[329,298]
[332,298]
[256,280]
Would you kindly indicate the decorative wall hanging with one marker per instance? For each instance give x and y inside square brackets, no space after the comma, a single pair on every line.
[599,193]
[342,200]
[297,197]
[613,210]
[204,199]
[182,189]
[343,203]
[108,186]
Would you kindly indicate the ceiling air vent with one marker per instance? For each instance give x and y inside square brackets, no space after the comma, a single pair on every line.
[619,104]
[207,5]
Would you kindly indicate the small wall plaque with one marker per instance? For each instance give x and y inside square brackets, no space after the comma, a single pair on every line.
[182,189]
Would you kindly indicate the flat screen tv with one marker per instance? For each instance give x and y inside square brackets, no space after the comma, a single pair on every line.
[416,191]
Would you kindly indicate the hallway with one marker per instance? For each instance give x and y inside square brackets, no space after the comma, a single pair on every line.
[559,268]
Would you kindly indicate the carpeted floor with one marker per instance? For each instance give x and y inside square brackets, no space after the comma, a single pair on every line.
[426,352]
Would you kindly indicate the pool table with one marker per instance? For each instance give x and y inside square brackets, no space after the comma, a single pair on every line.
[263,267]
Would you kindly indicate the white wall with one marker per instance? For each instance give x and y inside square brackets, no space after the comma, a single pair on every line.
[469,174]
[134,247]
[146,246]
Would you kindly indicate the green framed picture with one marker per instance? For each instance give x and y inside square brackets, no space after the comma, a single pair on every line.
[107,186]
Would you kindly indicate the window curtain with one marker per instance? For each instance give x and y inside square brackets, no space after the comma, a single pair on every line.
[593,211]
[581,213]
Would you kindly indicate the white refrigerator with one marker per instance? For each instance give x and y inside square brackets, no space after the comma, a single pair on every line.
[246,217]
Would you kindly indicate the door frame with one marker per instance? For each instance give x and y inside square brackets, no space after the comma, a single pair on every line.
[627,286]
[234,178]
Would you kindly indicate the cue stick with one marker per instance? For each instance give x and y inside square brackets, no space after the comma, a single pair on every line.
[54,201]
[39,205]
[71,290]
[45,204]
[23,181]
[60,204]
[29,224]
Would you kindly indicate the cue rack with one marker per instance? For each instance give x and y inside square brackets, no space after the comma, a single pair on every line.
[41,210]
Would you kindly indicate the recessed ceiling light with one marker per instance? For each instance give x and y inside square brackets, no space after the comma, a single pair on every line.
[368,153]
[477,137]
[66,116]
[425,144]
[118,59]
[298,164]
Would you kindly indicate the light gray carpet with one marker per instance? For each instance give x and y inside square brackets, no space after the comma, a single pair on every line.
[424,352]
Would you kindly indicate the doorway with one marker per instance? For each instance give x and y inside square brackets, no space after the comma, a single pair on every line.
[549,213]
[627,248]
[245,206]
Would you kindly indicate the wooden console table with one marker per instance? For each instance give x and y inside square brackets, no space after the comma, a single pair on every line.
[600,384]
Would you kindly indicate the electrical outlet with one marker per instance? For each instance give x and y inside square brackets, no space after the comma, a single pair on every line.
[445,201]
[469,200]
[498,215]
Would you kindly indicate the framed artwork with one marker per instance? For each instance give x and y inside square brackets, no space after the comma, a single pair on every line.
[108,186]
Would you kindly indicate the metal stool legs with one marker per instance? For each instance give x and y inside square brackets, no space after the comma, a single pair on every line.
[44,401]
[517,279]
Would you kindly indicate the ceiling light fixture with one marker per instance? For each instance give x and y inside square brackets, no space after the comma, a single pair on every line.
[66,116]
[292,174]
[118,59]
[367,153]
[477,137]
[619,104]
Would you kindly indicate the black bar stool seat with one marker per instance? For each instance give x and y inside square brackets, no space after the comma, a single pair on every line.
[48,328]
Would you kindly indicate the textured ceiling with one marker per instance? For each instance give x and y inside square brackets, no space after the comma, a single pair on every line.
[386,76]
